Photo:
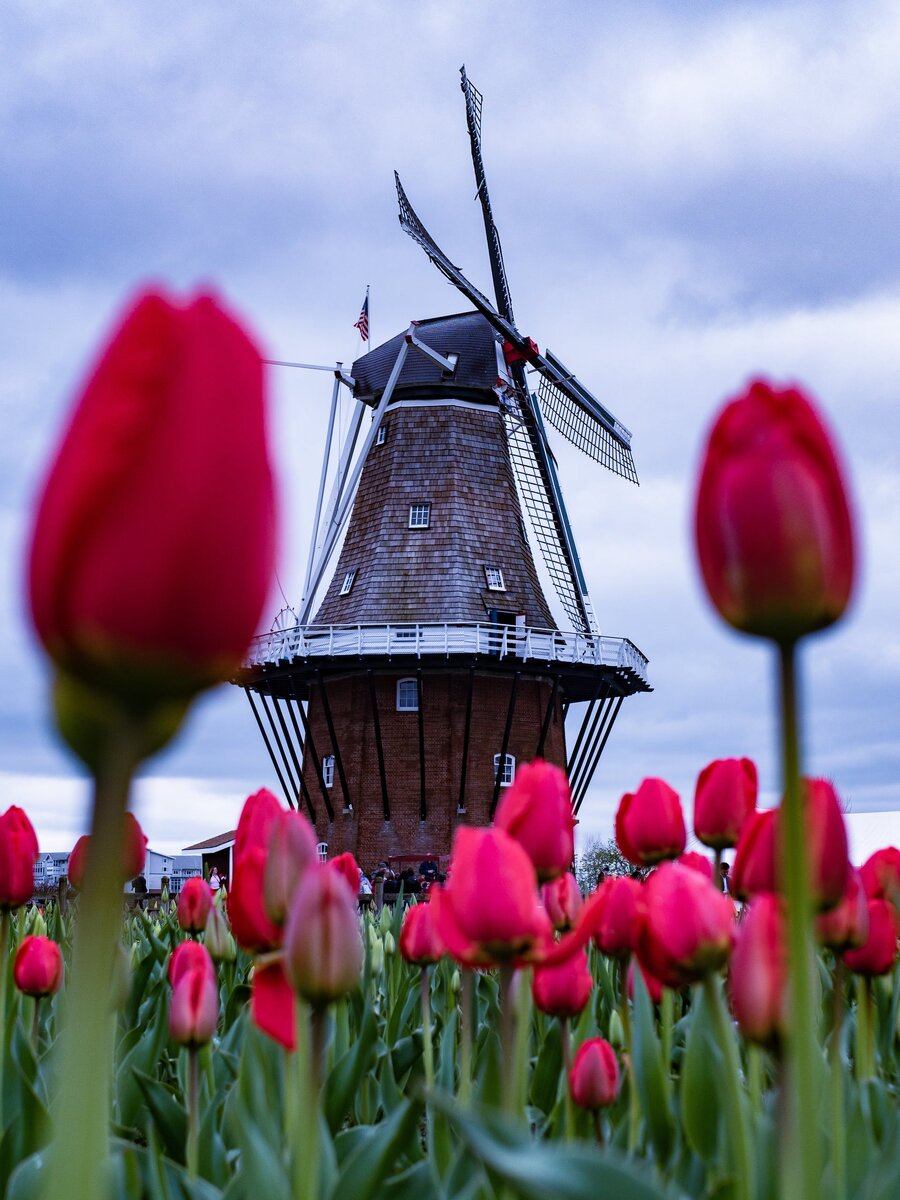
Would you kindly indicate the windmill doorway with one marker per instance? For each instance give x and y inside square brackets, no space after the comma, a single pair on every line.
[509,632]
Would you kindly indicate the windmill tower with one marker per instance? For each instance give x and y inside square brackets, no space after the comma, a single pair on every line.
[432,667]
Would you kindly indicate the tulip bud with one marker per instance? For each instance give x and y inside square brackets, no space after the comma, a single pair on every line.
[536,810]
[650,824]
[194,1007]
[773,526]
[322,944]
[38,967]
[134,853]
[847,925]
[696,862]
[153,546]
[757,978]
[754,870]
[390,945]
[376,957]
[617,923]
[291,849]
[617,1030]
[594,1076]
[688,926]
[724,798]
[18,854]
[346,866]
[563,989]
[881,875]
[195,900]
[456,982]
[217,937]
[879,952]
[250,923]
[562,899]
[420,942]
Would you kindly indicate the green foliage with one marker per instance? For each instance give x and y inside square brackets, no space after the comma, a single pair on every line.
[599,858]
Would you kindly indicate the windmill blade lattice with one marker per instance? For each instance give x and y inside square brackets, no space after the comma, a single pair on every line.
[585,432]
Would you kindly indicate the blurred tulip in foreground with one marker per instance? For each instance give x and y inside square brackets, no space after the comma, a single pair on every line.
[134,853]
[773,526]
[757,979]
[562,899]
[650,824]
[881,875]
[537,811]
[38,967]
[291,850]
[879,952]
[322,944]
[847,924]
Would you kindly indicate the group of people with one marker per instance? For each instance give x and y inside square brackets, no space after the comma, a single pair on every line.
[411,881]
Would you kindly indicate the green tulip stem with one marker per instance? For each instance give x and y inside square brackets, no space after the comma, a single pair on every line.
[754,1079]
[306,1130]
[800,1157]
[79,1153]
[427,1044]
[467,1005]
[666,1015]
[865,1050]
[598,1128]
[4,972]
[634,1111]
[836,1063]
[507,1032]
[565,1037]
[35,1024]
[735,1124]
[192,1142]
[523,1017]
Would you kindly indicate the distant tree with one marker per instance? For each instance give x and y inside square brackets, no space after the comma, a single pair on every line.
[602,858]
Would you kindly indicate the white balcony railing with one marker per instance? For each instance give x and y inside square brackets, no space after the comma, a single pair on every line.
[417,640]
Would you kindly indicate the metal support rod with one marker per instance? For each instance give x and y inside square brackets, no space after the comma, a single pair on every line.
[594,734]
[309,743]
[461,804]
[551,706]
[339,762]
[268,745]
[505,746]
[423,812]
[321,494]
[295,759]
[379,747]
[581,732]
[311,808]
[589,776]
[293,788]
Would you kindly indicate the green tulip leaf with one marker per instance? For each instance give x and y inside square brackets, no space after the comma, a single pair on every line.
[168,1115]
[548,1070]
[649,1074]
[700,1076]
[345,1077]
[370,1163]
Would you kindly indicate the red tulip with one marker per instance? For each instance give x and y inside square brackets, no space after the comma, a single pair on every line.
[18,854]
[194,1007]
[773,525]
[757,978]
[826,836]
[291,850]
[153,546]
[251,924]
[38,967]
[322,944]
[697,862]
[653,985]
[724,798]
[879,953]
[272,1004]
[847,925]
[753,870]
[346,867]
[259,817]
[881,875]
[594,1076]
[189,956]
[617,923]
[537,811]
[420,942]
[687,928]
[650,824]
[564,989]
[562,899]
[513,925]
[194,902]
[134,853]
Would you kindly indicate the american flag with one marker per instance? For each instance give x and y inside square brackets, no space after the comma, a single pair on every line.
[362,324]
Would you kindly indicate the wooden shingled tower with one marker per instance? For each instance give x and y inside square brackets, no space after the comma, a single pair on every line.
[432,667]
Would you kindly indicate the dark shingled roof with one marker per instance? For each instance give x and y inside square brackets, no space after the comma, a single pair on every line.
[467,334]
[210,843]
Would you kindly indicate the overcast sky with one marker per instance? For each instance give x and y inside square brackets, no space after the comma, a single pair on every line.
[688,195]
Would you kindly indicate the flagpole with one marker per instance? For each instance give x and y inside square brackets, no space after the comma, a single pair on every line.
[369,311]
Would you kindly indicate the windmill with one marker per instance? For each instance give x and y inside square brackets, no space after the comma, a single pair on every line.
[433,664]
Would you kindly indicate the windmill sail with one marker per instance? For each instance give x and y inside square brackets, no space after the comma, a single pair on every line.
[583,429]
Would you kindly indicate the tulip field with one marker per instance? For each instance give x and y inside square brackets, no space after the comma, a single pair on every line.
[505,1037]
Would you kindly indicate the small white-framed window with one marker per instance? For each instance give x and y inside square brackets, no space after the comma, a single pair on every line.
[508,774]
[328,770]
[381,435]
[407,695]
[419,515]
[322,851]
[348,582]
[494,577]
